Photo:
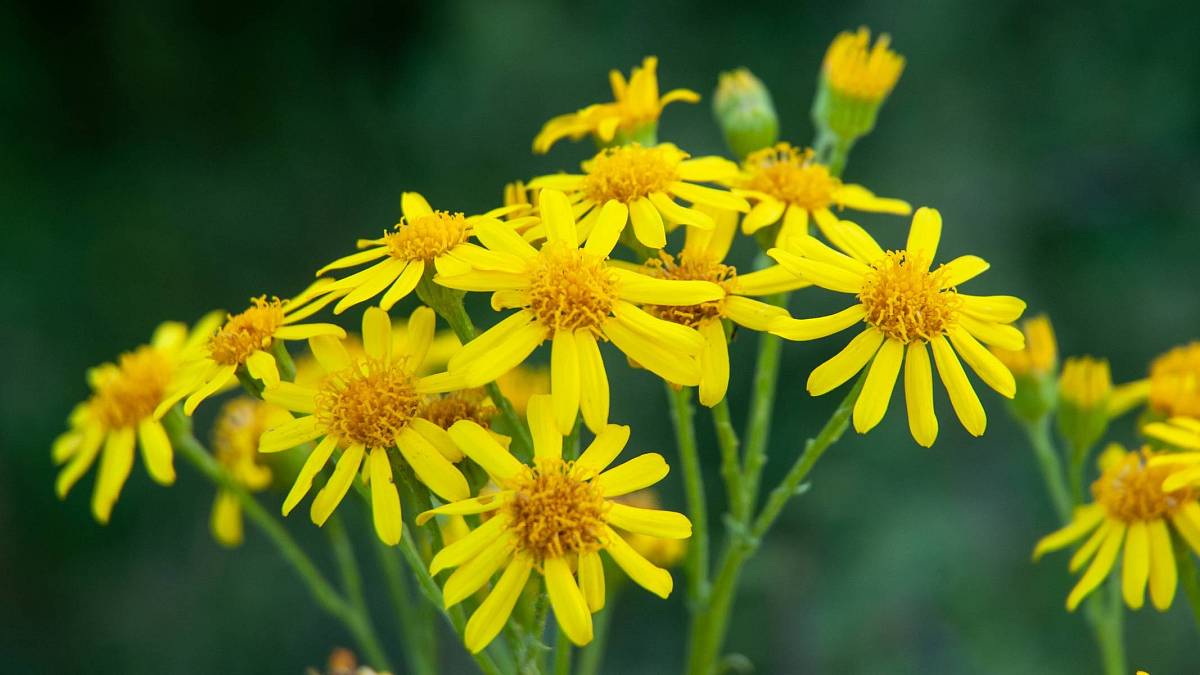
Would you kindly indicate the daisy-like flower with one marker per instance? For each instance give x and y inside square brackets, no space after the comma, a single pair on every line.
[639,184]
[1182,433]
[365,407]
[1174,389]
[905,306]
[573,296]
[855,69]
[236,432]
[119,416]
[245,341]
[633,114]
[703,259]
[786,183]
[1039,358]
[555,517]
[423,237]
[1129,516]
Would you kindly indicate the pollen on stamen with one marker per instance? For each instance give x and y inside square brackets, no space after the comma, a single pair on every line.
[691,268]
[368,403]
[905,301]
[427,237]
[555,514]
[630,172]
[791,176]
[469,404]
[1131,490]
[571,288]
[248,332]
[129,393]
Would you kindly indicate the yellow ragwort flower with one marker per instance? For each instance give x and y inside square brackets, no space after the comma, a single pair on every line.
[640,184]
[236,432]
[245,341]
[906,306]
[1175,382]
[1182,433]
[637,106]
[571,295]
[786,182]
[555,517]
[1131,507]
[1085,383]
[423,237]
[703,259]
[854,68]
[366,406]
[523,382]
[1040,355]
[119,415]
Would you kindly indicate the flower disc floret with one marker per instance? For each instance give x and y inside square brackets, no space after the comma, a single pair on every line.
[555,513]
[247,332]
[691,268]
[470,404]
[791,176]
[128,393]
[1175,382]
[906,301]
[627,173]
[427,237]
[1131,490]
[368,404]
[571,288]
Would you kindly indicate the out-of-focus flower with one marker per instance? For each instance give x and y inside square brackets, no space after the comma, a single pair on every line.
[1175,382]
[639,185]
[786,183]
[906,306]
[571,295]
[856,78]
[1129,514]
[1035,368]
[743,108]
[235,436]
[522,382]
[555,517]
[119,415]
[1084,390]
[342,661]
[632,116]
[367,406]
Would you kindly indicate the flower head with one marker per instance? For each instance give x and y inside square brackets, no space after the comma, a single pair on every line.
[1175,382]
[908,307]
[1130,511]
[245,341]
[1040,355]
[523,382]
[571,295]
[235,437]
[665,553]
[422,238]
[639,184]
[119,416]
[703,259]
[785,182]
[743,107]
[555,517]
[366,407]
[633,113]
[855,68]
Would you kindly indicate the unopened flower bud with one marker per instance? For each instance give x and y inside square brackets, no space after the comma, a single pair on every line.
[743,107]
[1035,369]
[1084,391]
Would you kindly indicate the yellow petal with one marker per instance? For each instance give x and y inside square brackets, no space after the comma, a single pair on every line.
[493,612]
[292,397]
[339,483]
[591,580]
[876,393]
[1085,552]
[469,546]
[962,395]
[81,461]
[704,169]
[925,233]
[764,213]
[918,395]
[220,378]
[404,284]
[479,445]
[330,353]
[714,363]
[547,437]
[437,437]
[640,472]
[115,464]
[355,259]
[1163,574]
[823,274]
[672,366]
[486,367]
[414,206]
[290,434]
[680,214]
[226,520]
[500,237]
[603,449]
[753,314]
[961,269]
[312,466]
[1085,520]
[467,507]
[431,467]
[564,380]
[994,308]
[477,571]
[385,500]
[652,522]
[382,275]
[156,451]
[646,290]
[644,573]
[999,335]
[647,223]
[570,608]
[985,364]
[1135,567]
[698,194]
[812,329]
[845,364]
[556,216]
[666,333]
[607,229]
[479,348]
[593,382]
[1100,567]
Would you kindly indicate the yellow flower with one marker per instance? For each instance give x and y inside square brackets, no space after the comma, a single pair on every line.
[1181,432]
[636,109]
[522,382]
[906,306]
[366,406]
[554,516]
[570,294]
[854,68]
[235,444]
[703,259]
[1175,382]
[640,184]
[785,182]
[246,340]
[423,237]
[1040,355]
[1086,382]
[119,415]
[445,344]
[1131,507]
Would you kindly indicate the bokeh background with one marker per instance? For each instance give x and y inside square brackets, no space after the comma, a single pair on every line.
[161,159]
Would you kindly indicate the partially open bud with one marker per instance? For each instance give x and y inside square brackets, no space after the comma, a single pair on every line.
[856,78]
[1084,391]
[1035,368]
[743,107]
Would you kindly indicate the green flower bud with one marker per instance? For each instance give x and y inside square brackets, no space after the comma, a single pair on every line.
[742,105]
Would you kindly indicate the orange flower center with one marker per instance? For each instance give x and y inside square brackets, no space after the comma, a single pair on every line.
[554,514]
[1175,382]
[691,268]
[248,332]
[127,393]
[368,403]
[791,176]
[906,301]
[468,404]
[571,288]
[1131,491]
[427,237]
[630,172]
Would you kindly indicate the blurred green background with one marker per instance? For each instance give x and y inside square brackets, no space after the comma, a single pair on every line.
[161,159]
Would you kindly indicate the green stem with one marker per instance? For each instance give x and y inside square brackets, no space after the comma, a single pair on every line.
[766,377]
[327,597]
[592,655]
[1188,578]
[1050,464]
[696,564]
[708,633]
[420,659]
[1105,619]
[731,466]
[833,150]
[283,361]
[343,554]
[562,654]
